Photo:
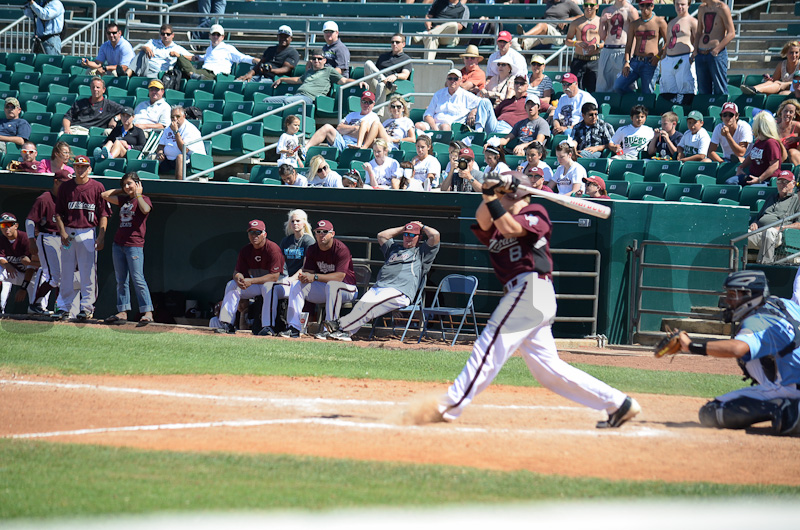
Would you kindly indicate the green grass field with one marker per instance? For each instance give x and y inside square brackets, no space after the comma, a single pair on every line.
[39,479]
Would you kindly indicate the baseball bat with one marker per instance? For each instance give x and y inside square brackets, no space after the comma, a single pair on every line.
[574,203]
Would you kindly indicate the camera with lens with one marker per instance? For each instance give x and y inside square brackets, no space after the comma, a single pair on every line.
[463,163]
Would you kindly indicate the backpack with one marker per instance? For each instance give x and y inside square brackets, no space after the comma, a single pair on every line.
[193,113]
[172,79]
[482,28]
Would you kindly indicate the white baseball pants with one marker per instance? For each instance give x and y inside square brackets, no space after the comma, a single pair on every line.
[332,294]
[677,75]
[80,254]
[50,257]
[18,278]
[271,292]
[522,321]
[376,302]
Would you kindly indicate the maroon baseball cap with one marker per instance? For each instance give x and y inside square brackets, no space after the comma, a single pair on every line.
[569,78]
[412,228]
[62,176]
[786,175]
[731,106]
[6,217]
[325,225]
[535,172]
[467,152]
[368,95]
[81,160]
[645,2]
[256,224]
[504,36]
[596,180]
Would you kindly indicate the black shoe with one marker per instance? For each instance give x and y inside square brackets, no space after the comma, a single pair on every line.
[61,314]
[290,333]
[267,332]
[35,309]
[226,328]
[83,316]
[626,411]
[322,335]
[331,325]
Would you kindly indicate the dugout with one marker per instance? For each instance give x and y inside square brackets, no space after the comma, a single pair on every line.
[197,228]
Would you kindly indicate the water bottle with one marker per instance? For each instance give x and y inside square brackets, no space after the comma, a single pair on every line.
[70,239]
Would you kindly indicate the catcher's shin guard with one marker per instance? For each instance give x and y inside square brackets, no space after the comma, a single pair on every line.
[740,413]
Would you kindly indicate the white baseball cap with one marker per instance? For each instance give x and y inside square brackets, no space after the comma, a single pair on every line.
[217,28]
[330,26]
[455,71]
[286,30]
[534,98]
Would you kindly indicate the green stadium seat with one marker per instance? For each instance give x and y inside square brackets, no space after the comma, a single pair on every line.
[78,81]
[751,80]
[137,82]
[42,60]
[714,192]
[75,140]
[701,102]
[257,91]
[620,187]
[751,196]
[750,100]
[676,191]
[247,142]
[443,137]
[639,189]
[616,196]
[259,172]
[327,152]
[631,176]
[617,168]
[632,99]
[23,68]
[362,155]
[773,101]
[285,88]
[118,82]
[41,118]
[476,138]
[735,79]
[654,168]
[612,99]
[669,178]
[101,167]
[273,125]
[245,107]
[595,164]
[69,61]
[44,138]
[231,96]
[216,105]
[705,180]
[150,166]
[691,169]
[193,85]
[201,162]
[618,120]
[237,180]
[33,107]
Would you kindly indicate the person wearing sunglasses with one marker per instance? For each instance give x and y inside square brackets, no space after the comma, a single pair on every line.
[170,146]
[218,59]
[399,127]
[337,55]
[158,55]
[320,174]
[584,36]
[733,135]
[276,60]
[642,51]
[27,162]
[357,130]
[449,105]
[407,262]
[13,128]
[385,83]
[16,266]
[114,56]
[592,135]
[327,277]
[614,23]
[258,268]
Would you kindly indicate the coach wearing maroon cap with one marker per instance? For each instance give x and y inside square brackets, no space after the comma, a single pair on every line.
[358,129]
[464,175]
[81,217]
[259,266]
[327,278]
[15,258]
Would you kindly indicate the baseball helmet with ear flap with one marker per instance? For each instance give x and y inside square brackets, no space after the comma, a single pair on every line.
[524,182]
[754,291]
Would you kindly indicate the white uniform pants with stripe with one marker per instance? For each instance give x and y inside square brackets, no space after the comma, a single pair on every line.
[80,254]
[376,302]
[270,291]
[522,321]
[18,278]
[50,257]
[332,294]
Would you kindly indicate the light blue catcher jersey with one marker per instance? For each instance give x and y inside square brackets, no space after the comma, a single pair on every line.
[767,334]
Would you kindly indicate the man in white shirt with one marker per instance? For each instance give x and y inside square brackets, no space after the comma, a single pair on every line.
[449,105]
[354,130]
[154,113]
[518,64]
[634,137]
[170,147]
[733,135]
[158,55]
[568,111]
[218,59]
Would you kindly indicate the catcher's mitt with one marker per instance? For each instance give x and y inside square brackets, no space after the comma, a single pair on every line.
[669,345]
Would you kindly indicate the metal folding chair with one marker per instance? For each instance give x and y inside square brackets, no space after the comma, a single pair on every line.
[453,285]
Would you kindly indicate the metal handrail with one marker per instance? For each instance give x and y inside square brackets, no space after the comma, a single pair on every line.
[22,23]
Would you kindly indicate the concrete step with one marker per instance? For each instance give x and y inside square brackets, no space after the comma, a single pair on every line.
[651,338]
[697,325]
[713,313]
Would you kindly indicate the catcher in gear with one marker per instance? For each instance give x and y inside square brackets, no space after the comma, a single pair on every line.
[766,327]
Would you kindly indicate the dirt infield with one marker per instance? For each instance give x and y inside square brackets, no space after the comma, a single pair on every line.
[508,428]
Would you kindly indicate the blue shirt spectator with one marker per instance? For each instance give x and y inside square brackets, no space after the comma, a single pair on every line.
[49,19]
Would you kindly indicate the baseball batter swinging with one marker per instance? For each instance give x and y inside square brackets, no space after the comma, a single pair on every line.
[517,234]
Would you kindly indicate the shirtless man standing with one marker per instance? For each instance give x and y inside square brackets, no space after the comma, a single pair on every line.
[614,24]
[642,51]
[678,79]
[584,35]
[714,31]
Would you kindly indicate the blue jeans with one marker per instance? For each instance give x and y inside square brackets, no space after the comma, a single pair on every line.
[208,7]
[129,262]
[712,73]
[486,119]
[52,46]
[640,69]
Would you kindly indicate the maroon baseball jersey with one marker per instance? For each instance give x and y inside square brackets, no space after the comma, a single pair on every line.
[255,262]
[80,205]
[43,213]
[516,255]
[14,251]
[335,259]
[132,222]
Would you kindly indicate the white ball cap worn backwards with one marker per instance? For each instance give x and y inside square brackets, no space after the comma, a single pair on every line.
[217,28]
[285,30]
[330,26]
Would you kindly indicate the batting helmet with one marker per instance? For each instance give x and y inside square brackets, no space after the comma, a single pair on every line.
[519,193]
[746,290]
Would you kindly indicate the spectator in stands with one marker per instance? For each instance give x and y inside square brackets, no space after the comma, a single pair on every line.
[289,144]
[352,179]
[779,82]
[764,159]
[696,141]
[382,169]
[632,139]
[540,84]
[385,83]
[316,81]
[615,21]
[426,168]
[218,59]
[714,31]
[568,110]
[794,91]
[789,128]
[290,176]
[518,65]
[453,10]
[181,132]
[462,173]
[13,128]
[538,182]
[595,188]
[59,158]
[49,20]
[472,77]
[532,128]
[399,127]
[506,113]
[449,105]
[556,10]
[569,175]
[321,175]
[158,55]
[678,79]
[495,158]
[276,60]
[733,135]
[122,138]
[664,145]
[533,165]
[207,7]
[353,130]
[583,34]
[642,51]
[115,54]
[336,53]
[27,162]
[592,135]
[500,86]
[153,113]
[776,207]
[94,111]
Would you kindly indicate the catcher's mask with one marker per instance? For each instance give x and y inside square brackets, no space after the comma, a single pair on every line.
[746,290]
